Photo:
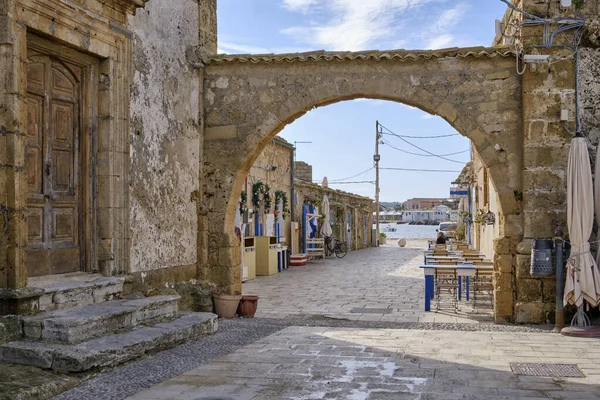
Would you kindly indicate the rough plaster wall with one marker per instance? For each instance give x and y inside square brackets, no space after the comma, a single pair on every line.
[589,94]
[164,136]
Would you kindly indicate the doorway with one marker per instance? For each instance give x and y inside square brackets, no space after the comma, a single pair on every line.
[58,142]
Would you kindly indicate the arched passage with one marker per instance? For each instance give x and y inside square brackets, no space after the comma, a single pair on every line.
[249,99]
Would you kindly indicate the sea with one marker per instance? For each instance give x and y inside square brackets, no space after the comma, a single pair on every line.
[408,231]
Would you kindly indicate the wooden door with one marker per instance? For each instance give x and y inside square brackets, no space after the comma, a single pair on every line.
[53,166]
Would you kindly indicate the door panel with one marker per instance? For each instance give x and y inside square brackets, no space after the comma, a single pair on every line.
[53,167]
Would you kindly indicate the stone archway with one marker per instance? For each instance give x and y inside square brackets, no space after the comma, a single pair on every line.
[249,99]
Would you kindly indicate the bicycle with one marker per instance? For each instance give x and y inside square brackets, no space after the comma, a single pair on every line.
[335,246]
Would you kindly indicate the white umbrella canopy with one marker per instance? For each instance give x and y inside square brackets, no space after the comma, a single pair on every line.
[582,281]
[326,227]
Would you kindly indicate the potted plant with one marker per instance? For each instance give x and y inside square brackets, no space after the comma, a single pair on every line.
[247,306]
[225,304]
[382,238]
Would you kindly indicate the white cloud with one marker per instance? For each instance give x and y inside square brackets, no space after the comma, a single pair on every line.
[299,5]
[428,116]
[354,24]
[439,42]
[439,34]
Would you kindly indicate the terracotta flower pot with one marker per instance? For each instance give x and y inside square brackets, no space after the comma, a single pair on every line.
[247,306]
[225,304]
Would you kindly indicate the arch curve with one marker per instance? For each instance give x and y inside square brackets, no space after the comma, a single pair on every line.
[248,100]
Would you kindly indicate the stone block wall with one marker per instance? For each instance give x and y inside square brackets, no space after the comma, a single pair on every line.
[549,88]
[303,171]
[340,203]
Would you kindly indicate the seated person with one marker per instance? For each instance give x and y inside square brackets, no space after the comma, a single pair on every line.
[441,239]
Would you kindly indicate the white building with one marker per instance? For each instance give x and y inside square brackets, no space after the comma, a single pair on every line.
[439,213]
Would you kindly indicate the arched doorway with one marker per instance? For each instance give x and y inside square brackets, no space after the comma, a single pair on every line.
[248,100]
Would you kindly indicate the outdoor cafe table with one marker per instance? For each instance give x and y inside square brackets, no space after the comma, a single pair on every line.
[462,270]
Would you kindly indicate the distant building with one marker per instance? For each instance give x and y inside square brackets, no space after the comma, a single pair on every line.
[439,213]
[422,203]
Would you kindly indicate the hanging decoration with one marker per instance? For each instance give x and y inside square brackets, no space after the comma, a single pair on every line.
[243,202]
[261,192]
[281,195]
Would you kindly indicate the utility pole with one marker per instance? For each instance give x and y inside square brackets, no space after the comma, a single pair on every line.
[376,158]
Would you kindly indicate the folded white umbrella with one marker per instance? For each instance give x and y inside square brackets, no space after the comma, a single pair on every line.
[582,280]
[326,227]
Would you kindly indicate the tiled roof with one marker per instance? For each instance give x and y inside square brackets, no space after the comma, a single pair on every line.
[376,55]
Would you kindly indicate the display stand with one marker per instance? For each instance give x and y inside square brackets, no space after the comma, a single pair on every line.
[266,255]
[313,247]
[249,258]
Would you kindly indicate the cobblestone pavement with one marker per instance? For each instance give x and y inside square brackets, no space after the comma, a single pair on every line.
[318,348]
[350,363]
[385,282]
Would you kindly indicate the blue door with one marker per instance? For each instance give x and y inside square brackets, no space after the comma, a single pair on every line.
[349,228]
[365,231]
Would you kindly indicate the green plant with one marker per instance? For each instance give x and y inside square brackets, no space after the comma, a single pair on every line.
[260,192]
[281,195]
[382,235]
[243,202]
[257,190]
[460,232]
[267,198]
[338,215]
[518,195]
[578,3]
[480,216]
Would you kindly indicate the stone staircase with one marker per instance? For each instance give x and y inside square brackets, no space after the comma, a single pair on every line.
[85,325]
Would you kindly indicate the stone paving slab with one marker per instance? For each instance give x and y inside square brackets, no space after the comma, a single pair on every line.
[358,363]
[385,277]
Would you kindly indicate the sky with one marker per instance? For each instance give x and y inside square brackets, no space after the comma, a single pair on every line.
[342,135]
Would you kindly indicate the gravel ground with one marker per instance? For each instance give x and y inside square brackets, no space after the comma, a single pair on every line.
[131,378]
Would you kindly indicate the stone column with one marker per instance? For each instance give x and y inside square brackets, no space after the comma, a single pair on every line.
[548,88]
[13,175]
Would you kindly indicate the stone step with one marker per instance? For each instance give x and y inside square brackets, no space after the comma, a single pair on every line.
[78,289]
[110,350]
[76,325]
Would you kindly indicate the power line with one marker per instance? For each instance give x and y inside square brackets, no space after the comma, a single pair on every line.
[425,137]
[424,155]
[346,183]
[354,176]
[421,170]
[420,148]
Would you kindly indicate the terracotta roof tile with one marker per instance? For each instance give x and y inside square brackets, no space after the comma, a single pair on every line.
[375,55]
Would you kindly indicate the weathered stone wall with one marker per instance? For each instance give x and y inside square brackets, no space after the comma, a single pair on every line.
[95,28]
[277,155]
[248,100]
[589,93]
[303,171]
[165,136]
[340,203]
[548,88]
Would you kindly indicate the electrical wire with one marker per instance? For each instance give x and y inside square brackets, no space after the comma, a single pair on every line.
[420,170]
[424,137]
[353,176]
[420,148]
[424,155]
[347,183]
